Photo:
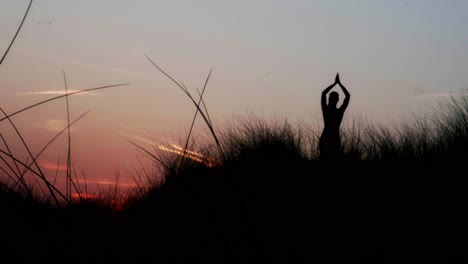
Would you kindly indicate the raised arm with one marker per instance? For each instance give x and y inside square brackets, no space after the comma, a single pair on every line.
[347,95]
[324,96]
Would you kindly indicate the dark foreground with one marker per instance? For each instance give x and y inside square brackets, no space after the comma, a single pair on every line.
[300,210]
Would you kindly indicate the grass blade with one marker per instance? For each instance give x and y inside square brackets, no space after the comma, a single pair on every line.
[35,173]
[61,96]
[151,154]
[196,114]
[31,155]
[69,179]
[17,32]
[208,123]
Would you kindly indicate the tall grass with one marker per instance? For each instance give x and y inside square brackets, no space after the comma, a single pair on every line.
[441,135]
[201,196]
[253,138]
[16,169]
[197,181]
[437,136]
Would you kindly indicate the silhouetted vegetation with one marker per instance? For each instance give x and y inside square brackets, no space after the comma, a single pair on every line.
[257,192]
[397,193]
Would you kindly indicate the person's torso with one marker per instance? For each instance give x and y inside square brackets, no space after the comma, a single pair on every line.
[332,119]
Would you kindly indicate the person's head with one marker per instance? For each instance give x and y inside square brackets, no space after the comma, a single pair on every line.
[333,99]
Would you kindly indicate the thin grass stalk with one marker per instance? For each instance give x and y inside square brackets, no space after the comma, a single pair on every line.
[76,184]
[25,170]
[210,127]
[56,170]
[61,96]
[69,179]
[196,113]
[57,135]
[43,149]
[48,144]
[151,154]
[9,151]
[204,106]
[7,173]
[31,155]
[35,173]
[19,176]
[17,32]
[184,87]
[85,185]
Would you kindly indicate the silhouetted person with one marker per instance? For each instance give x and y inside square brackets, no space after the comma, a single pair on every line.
[330,141]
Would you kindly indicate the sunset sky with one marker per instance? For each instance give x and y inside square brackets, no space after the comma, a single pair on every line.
[269,57]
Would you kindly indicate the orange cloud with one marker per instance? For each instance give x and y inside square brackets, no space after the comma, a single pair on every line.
[173,148]
[52,166]
[195,156]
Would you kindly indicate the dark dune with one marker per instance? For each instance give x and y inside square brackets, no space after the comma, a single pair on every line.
[298,210]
